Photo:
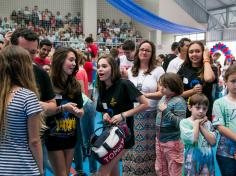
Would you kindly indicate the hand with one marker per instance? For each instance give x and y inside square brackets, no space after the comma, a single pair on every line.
[7,38]
[205,119]
[162,106]
[197,88]
[116,119]
[71,107]
[106,118]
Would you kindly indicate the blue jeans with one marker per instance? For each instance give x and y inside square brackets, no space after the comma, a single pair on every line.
[84,131]
[227,165]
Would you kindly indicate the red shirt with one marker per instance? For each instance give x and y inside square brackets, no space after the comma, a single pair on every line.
[42,62]
[88,66]
[94,49]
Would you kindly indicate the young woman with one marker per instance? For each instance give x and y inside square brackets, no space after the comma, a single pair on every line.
[144,74]
[60,138]
[198,136]
[20,144]
[115,101]
[224,119]
[197,73]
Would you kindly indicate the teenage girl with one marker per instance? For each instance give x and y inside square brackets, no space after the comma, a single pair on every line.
[116,101]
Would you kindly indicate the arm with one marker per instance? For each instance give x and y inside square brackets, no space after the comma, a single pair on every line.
[143,105]
[49,107]
[196,130]
[155,95]
[178,113]
[226,132]
[35,141]
[207,134]
[209,75]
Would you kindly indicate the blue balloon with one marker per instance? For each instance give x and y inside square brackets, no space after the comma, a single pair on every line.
[224,46]
[228,52]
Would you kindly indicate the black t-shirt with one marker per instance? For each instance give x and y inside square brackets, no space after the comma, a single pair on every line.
[43,83]
[190,77]
[62,128]
[118,98]
[167,60]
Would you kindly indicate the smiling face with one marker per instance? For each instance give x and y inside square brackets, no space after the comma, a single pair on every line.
[104,71]
[44,51]
[69,63]
[195,54]
[145,52]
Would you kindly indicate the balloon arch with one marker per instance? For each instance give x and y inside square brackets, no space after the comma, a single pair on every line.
[223,48]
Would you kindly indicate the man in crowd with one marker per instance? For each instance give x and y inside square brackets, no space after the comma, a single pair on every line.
[45,47]
[29,40]
[126,60]
[176,63]
[172,55]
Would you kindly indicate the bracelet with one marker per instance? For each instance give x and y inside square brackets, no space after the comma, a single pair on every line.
[122,116]
[61,109]
[208,61]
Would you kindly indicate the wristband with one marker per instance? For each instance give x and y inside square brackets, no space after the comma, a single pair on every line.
[122,116]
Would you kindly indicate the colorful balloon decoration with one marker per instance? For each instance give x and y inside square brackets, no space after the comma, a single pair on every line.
[224,49]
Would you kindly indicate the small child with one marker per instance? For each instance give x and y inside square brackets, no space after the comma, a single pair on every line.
[198,136]
[171,109]
[224,119]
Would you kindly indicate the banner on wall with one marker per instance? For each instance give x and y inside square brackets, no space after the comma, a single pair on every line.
[147,18]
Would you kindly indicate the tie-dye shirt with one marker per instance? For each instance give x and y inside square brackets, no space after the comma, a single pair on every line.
[198,156]
[224,113]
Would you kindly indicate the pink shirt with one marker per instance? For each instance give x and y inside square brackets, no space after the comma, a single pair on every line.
[82,75]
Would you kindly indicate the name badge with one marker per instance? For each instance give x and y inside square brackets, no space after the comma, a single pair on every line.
[136,104]
[185,80]
[104,105]
[58,96]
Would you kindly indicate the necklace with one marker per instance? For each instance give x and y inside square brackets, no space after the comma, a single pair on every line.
[12,91]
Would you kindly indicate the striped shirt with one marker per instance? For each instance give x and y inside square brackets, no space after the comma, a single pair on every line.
[15,155]
[171,116]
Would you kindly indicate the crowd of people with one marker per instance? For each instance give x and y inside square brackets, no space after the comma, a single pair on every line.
[175,106]
[67,30]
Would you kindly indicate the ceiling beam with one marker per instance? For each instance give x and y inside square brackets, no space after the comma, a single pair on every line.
[223,7]
[204,8]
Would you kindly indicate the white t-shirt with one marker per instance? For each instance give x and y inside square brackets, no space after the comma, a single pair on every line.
[147,83]
[125,63]
[174,65]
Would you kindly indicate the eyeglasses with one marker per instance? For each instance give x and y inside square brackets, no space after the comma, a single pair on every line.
[144,50]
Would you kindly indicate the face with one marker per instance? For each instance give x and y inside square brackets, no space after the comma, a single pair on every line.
[30,46]
[165,91]
[44,51]
[198,111]
[104,71]
[231,84]
[195,55]
[184,49]
[145,52]
[69,63]
[129,54]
